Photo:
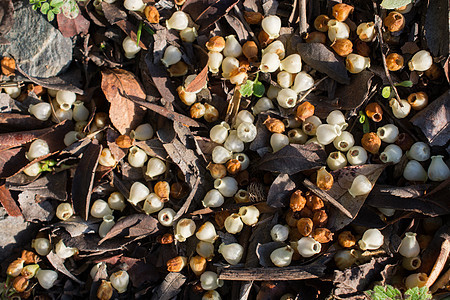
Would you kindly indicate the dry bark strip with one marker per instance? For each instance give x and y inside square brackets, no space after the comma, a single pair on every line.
[265,274]
[8,202]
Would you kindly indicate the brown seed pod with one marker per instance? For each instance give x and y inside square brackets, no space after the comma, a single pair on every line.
[316,37]
[341,11]
[342,47]
[304,111]
[211,113]
[362,48]
[105,290]
[306,212]
[250,50]
[179,190]
[242,178]
[305,226]
[30,257]
[321,23]
[217,171]
[297,201]
[124,141]
[15,267]
[313,202]
[162,190]
[216,43]
[434,72]
[8,66]
[176,264]
[418,100]
[404,141]
[394,22]
[220,217]
[322,235]
[20,284]
[151,14]
[394,62]
[264,39]
[320,218]
[274,125]
[374,111]
[233,166]
[197,264]
[197,111]
[291,218]
[178,69]
[346,239]
[324,179]
[165,239]
[371,142]
[253,17]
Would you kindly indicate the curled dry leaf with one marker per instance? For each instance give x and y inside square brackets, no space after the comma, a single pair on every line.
[281,189]
[72,27]
[18,122]
[170,287]
[58,263]
[8,202]
[136,225]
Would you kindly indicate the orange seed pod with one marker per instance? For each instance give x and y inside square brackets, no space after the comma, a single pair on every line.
[371,142]
[324,179]
[297,201]
[341,11]
[304,111]
[274,125]
[250,50]
[342,47]
[152,14]
[374,111]
[305,226]
[321,23]
[322,235]
[346,239]
[394,62]
[394,22]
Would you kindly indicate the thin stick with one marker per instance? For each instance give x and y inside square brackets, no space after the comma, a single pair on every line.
[302,15]
[311,89]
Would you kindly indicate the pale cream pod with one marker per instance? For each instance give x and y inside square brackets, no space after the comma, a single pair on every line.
[232,47]
[116,201]
[107,159]
[227,186]
[278,141]
[178,21]
[326,133]
[37,149]
[344,141]
[210,281]
[219,133]
[310,125]
[120,280]
[207,233]
[42,111]
[63,251]
[214,61]
[262,105]
[438,169]
[233,224]
[272,26]
[285,79]
[414,171]
[421,61]
[361,185]
[282,257]
[232,253]
[185,228]
[272,92]
[152,204]
[303,82]
[419,151]
[134,5]
[221,155]
[372,239]
[276,47]
[130,48]
[166,217]
[308,247]
[291,64]
[137,157]
[287,98]
[400,112]
[357,155]
[270,62]
[138,193]
[155,167]
[366,31]
[249,215]
[172,55]
[65,99]
[100,208]
[345,258]
[337,30]
[388,133]
[205,249]
[409,247]
[356,63]
[392,153]
[189,34]
[229,64]
[336,160]
[416,280]
[106,225]
[64,211]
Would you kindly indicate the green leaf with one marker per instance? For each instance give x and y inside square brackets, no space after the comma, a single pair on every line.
[384,293]
[362,117]
[393,4]
[139,32]
[54,3]
[45,7]
[417,293]
[406,83]
[50,16]
[56,10]
[386,92]
[258,89]
[35,7]
[149,30]
[246,89]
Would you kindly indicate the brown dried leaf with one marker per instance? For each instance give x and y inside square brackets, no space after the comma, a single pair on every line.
[170,287]
[124,114]
[343,179]
[324,60]
[117,152]
[33,209]
[199,82]
[205,14]
[50,186]
[112,12]
[293,159]
[136,225]
[353,95]
[436,20]
[72,27]
[432,253]
[15,139]
[281,189]
[58,263]
[160,77]
[8,202]
[83,180]
[10,159]
[131,31]
[18,122]
[140,271]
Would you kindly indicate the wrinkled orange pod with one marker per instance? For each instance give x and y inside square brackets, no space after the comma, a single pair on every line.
[371,142]
[313,201]
[362,48]
[341,11]
[274,125]
[320,218]
[233,166]
[394,62]
[374,111]
[253,17]
[394,22]
[346,239]
[305,226]
[304,111]
[151,14]
[321,23]
[324,179]
[297,202]
[342,47]
[322,235]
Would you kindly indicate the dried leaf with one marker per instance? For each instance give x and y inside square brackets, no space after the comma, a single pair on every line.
[8,202]
[10,159]
[170,287]
[343,179]
[76,226]
[436,18]
[434,120]
[113,13]
[131,31]
[319,57]
[124,114]
[153,147]
[58,263]
[263,252]
[199,82]
[18,122]
[431,254]
[50,186]
[206,13]
[83,180]
[72,27]
[33,209]
[281,189]
[353,95]
[140,271]
[293,159]
[136,225]
[116,151]
[15,139]
[160,78]
[6,16]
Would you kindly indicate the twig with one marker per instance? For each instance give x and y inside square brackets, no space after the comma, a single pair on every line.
[302,15]
[325,196]
[440,263]
[311,89]
[441,282]
[244,22]
[5,84]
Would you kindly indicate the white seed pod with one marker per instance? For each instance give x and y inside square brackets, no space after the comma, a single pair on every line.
[405,9]
[409,247]
[33,170]
[272,26]
[165,217]
[242,196]
[336,117]
[232,47]
[64,211]
[279,233]
[189,34]
[155,167]
[106,158]
[214,61]
[243,159]
[137,157]
[336,160]
[106,225]
[270,62]
[219,133]
[234,143]
[337,30]
[416,280]
[438,169]
[210,281]
[37,149]
[152,204]
[233,223]
[392,153]
[291,64]
[61,115]
[63,251]
[282,257]
[13,91]
[388,133]
[419,151]
[187,98]
[244,116]
[262,105]
[388,212]
[303,82]
[297,136]
[400,112]
[179,21]
[221,155]
[239,76]
[307,247]
[232,253]
[65,99]
[272,92]
[278,141]
[211,295]
[207,233]
[227,186]
[246,132]
[46,278]
[42,111]
[276,47]
[71,137]
[310,125]
[52,92]
[361,185]
[42,246]
[292,122]
[143,132]
[345,258]
[138,193]
[205,249]
[116,201]
[287,98]
[357,155]
[366,31]
[119,280]
[411,263]
[326,133]
[80,112]
[356,63]
[285,79]
[249,215]
[213,198]
[229,64]
[97,267]
[344,141]
[414,171]
[100,208]
[134,5]
[421,61]
[372,239]
[172,55]
[185,228]
[80,125]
